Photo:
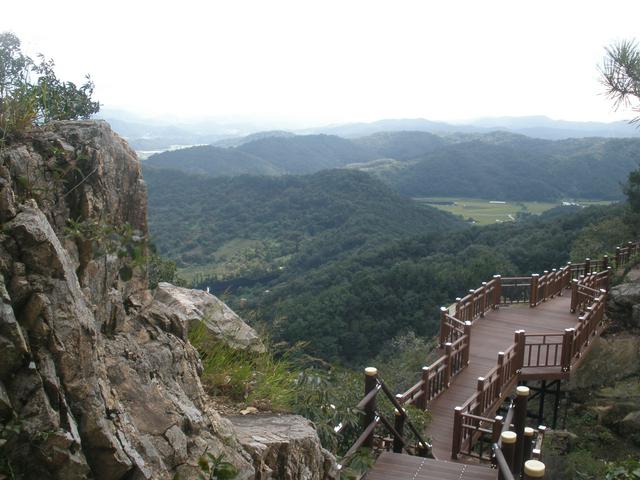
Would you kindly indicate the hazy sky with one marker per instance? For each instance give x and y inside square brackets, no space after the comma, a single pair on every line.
[333,61]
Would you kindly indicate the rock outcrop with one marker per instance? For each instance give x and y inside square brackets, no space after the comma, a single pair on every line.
[185,308]
[284,447]
[624,305]
[97,377]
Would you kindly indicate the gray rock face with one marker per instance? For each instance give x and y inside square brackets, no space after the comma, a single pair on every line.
[624,304]
[94,373]
[284,447]
[185,307]
[630,424]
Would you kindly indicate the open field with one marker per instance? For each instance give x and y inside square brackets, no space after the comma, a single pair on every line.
[484,212]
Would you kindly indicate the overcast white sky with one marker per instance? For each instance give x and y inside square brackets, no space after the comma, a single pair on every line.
[333,61]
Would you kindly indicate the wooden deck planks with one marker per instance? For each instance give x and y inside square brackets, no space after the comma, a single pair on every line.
[489,335]
[394,466]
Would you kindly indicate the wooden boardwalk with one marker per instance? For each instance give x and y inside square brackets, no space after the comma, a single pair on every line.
[511,329]
[490,335]
[396,466]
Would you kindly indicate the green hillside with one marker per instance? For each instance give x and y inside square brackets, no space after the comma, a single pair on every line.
[349,308]
[504,166]
[268,155]
[252,226]
[496,165]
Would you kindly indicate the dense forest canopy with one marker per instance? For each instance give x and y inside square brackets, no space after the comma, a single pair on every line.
[315,217]
[348,307]
[346,264]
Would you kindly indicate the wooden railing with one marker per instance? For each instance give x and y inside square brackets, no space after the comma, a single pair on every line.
[588,281]
[548,350]
[625,252]
[372,418]
[479,301]
[437,377]
[590,323]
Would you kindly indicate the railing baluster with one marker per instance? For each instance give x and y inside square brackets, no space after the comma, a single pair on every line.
[370,383]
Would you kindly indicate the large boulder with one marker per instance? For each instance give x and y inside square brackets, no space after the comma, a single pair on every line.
[284,447]
[623,305]
[184,308]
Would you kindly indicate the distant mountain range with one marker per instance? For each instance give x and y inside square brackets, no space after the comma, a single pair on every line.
[157,135]
[533,126]
[496,165]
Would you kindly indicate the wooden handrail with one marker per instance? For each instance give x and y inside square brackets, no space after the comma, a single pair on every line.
[373,386]
[589,282]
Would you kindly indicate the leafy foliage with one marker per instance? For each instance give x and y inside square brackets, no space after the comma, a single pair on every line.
[621,78]
[627,470]
[621,74]
[31,93]
[162,270]
[348,307]
[314,217]
[216,468]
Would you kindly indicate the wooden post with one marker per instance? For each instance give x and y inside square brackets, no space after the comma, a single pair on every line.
[483,303]
[574,295]
[520,339]
[458,307]
[472,314]
[508,440]
[497,290]
[605,262]
[467,332]
[567,348]
[497,428]
[587,266]
[457,433]
[370,383]
[519,421]
[569,266]
[399,427]
[528,443]
[617,257]
[448,347]
[424,400]
[533,469]
[444,328]
[481,403]
[533,297]
[554,284]
[607,281]
[501,379]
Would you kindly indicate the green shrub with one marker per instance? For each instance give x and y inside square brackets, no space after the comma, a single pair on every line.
[31,93]
[244,376]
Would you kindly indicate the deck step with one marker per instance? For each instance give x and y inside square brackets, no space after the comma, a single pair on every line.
[396,466]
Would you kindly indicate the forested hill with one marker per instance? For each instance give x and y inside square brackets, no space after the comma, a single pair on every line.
[519,168]
[198,220]
[271,155]
[348,308]
[498,165]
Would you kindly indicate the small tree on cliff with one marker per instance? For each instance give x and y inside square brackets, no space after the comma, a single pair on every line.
[31,94]
[621,77]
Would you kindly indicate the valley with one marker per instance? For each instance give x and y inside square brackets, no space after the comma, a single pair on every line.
[488,212]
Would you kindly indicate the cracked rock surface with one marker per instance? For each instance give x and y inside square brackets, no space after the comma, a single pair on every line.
[97,378]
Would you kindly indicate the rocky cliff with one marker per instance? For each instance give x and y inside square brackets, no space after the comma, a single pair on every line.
[97,377]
